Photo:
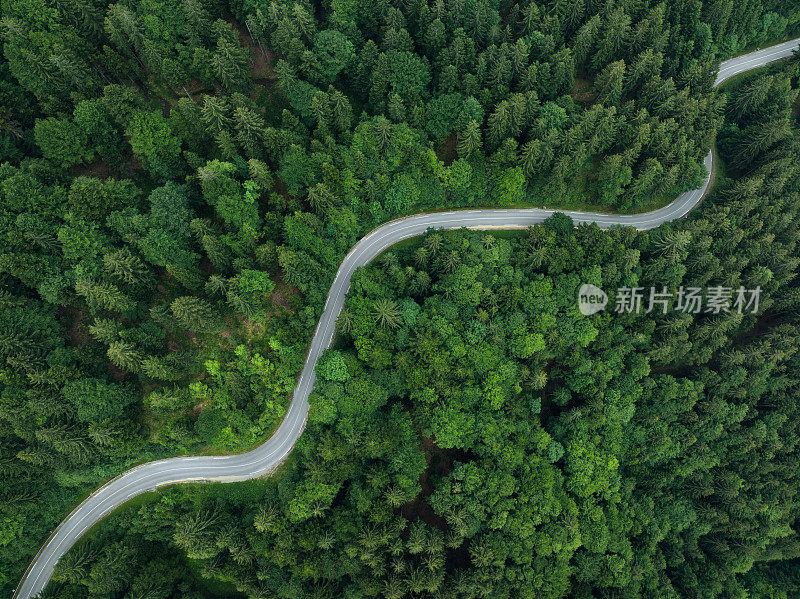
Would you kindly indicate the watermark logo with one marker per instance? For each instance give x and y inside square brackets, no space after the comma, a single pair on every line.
[691,300]
[591,299]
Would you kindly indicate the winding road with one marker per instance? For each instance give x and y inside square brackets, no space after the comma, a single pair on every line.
[268,456]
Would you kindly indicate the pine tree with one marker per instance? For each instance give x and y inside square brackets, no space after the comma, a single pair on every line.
[189,275]
[382,129]
[586,39]
[230,63]
[750,96]
[74,565]
[614,33]
[216,114]
[498,124]
[320,198]
[227,146]
[124,356]
[193,534]
[218,252]
[260,173]
[104,296]
[36,455]
[386,312]
[520,58]
[216,285]
[265,518]
[105,330]
[104,434]
[160,369]
[250,129]
[609,83]
[342,111]
[303,21]
[123,30]
[198,18]
[320,110]
[470,140]
[128,268]
[344,324]
[195,314]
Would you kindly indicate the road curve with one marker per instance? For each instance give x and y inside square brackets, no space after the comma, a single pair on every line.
[268,456]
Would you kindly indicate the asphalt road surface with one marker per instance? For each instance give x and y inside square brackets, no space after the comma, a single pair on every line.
[268,456]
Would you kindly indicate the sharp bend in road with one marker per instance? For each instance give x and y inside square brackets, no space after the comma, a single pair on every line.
[268,456]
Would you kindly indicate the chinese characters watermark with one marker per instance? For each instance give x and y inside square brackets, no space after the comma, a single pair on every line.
[691,300]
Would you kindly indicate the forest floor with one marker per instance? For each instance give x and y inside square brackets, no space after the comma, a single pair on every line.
[582,90]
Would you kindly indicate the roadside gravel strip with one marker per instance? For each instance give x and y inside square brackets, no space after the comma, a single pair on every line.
[265,458]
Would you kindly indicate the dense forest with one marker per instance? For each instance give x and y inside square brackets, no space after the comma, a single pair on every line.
[179,182]
[472,435]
